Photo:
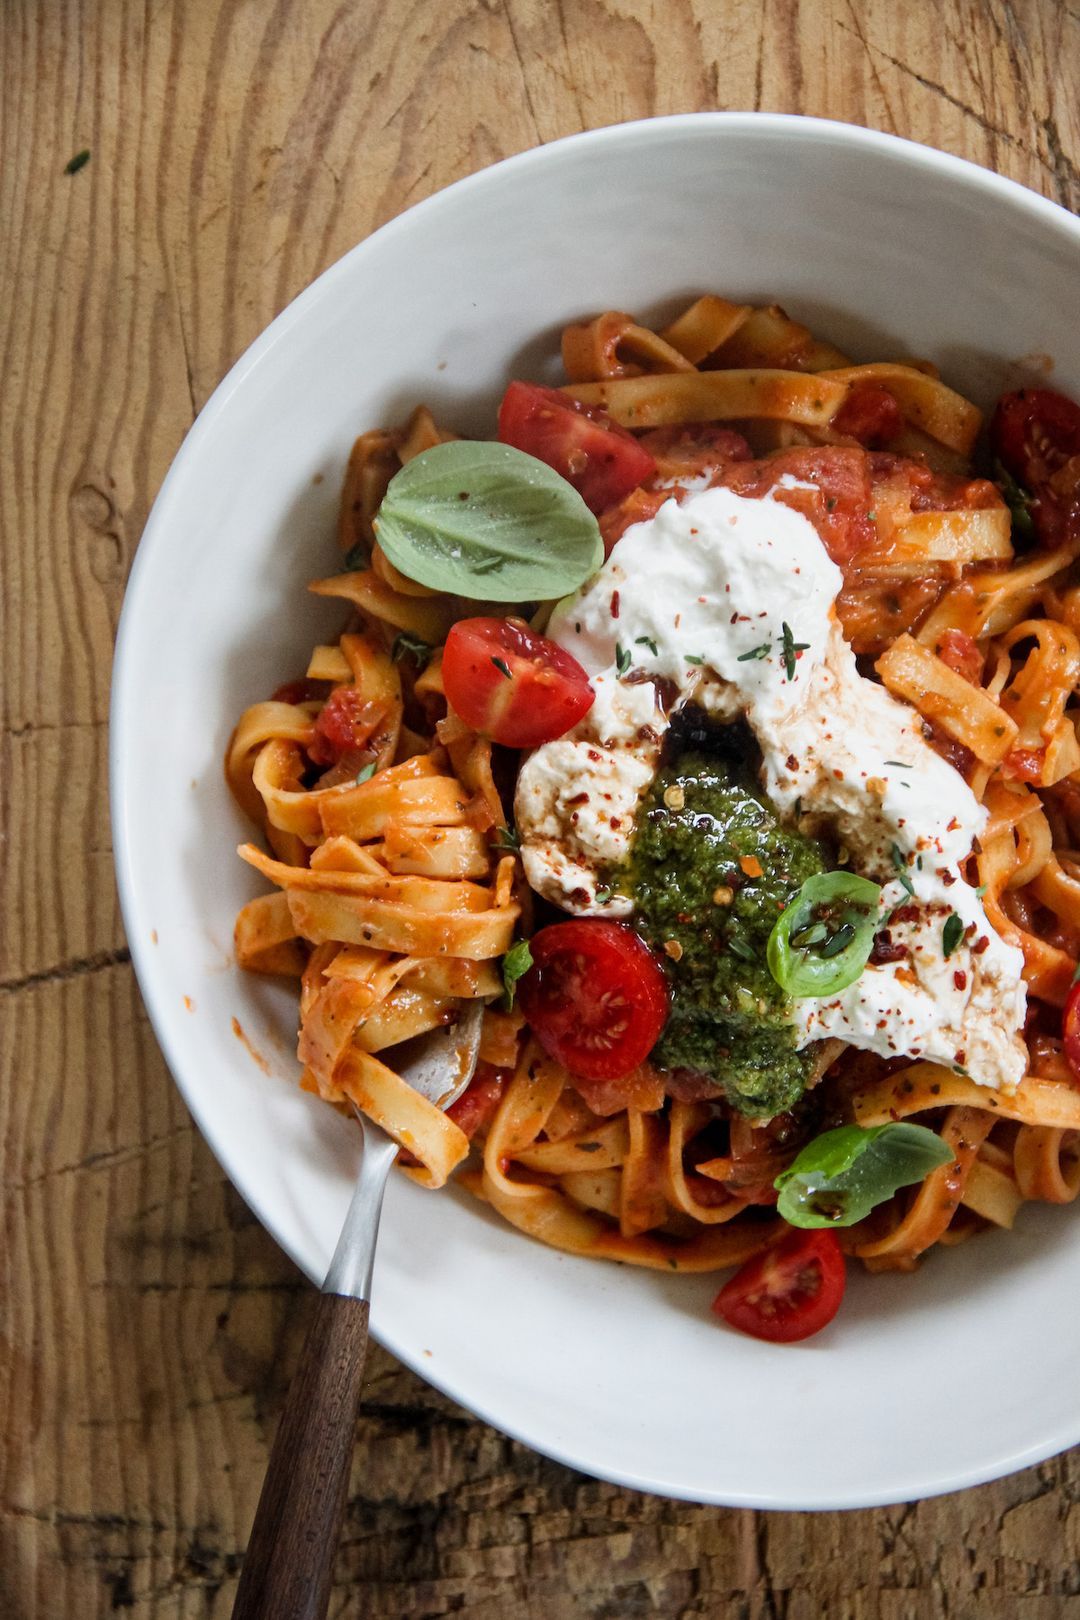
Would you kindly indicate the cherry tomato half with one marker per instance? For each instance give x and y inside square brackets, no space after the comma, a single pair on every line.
[791,1291]
[1070,1030]
[595,996]
[515,686]
[1036,436]
[602,460]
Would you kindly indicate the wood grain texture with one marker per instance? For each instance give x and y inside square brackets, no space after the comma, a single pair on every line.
[148,1327]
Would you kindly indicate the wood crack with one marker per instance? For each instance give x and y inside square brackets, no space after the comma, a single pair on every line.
[76,969]
[961,106]
[30,728]
[521,69]
[105,1159]
[183,337]
[1065,173]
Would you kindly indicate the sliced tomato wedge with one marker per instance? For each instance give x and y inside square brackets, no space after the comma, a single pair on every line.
[1024,765]
[475,1108]
[1070,1030]
[961,652]
[1035,433]
[345,724]
[595,997]
[870,414]
[602,460]
[514,686]
[788,1293]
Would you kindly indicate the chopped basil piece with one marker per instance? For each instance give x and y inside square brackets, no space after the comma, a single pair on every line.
[79,161]
[515,964]
[899,860]
[647,641]
[951,934]
[760,651]
[365,773]
[406,646]
[623,659]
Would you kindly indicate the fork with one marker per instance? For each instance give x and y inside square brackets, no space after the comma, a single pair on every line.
[289,1562]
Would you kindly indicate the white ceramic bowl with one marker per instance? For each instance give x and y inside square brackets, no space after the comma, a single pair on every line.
[957,1374]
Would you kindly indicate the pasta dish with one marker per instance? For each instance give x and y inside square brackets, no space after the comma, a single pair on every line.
[713,723]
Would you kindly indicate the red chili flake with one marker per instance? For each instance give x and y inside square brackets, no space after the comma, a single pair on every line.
[791,762]
[615,822]
[959,979]
[614,604]
[952,825]
[948,878]
[595,754]
[579,798]
[980,945]
[839,775]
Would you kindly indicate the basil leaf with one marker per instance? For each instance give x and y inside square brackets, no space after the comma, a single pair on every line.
[821,942]
[515,964]
[1016,499]
[487,521]
[842,1175]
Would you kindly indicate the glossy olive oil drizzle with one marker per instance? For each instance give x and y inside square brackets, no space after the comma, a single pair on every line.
[711,869]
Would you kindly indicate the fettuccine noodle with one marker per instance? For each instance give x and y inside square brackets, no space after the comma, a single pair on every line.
[396,890]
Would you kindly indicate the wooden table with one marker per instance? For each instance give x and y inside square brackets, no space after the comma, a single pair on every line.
[148,1326]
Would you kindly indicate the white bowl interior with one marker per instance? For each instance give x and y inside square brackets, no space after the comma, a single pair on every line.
[884,248]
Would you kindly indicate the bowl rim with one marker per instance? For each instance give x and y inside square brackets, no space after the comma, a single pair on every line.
[823,131]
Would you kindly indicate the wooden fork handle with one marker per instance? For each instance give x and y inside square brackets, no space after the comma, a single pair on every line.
[289,1563]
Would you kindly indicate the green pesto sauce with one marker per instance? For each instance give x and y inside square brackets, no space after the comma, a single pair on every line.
[729,1018]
